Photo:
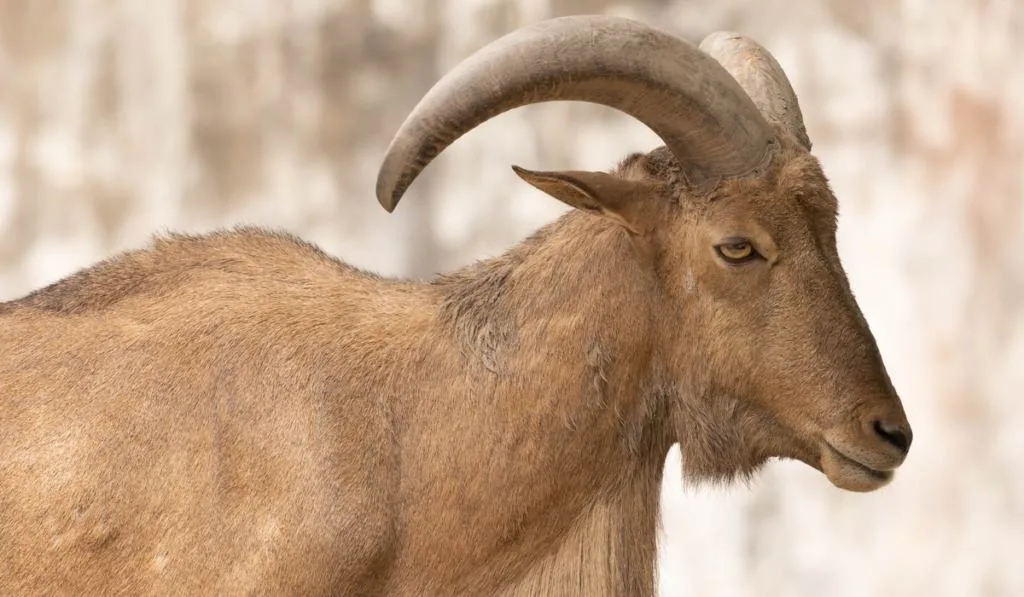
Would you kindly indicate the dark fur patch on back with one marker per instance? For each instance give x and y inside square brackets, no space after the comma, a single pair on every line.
[477,303]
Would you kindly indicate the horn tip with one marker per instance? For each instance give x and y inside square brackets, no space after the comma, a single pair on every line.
[393,178]
[387,197]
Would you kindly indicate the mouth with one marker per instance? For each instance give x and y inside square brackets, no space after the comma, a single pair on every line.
[847,473]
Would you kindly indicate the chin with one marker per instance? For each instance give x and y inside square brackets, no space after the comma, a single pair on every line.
[846,473]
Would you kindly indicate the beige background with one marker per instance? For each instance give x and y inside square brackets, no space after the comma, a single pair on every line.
[122,118]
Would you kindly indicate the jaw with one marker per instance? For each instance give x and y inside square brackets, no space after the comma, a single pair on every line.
[720,440]
[722,462]
[723,439]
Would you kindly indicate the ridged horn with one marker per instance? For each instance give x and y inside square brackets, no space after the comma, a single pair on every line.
[761,76]
[687,98]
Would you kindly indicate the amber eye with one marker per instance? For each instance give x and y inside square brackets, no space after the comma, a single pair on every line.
[736,251]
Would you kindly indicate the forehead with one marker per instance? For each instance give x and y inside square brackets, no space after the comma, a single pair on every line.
[793,192]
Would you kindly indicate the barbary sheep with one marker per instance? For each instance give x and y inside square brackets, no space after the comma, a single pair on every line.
[241,413]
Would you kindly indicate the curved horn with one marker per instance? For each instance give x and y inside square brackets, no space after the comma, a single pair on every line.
[699,111]
[761,77]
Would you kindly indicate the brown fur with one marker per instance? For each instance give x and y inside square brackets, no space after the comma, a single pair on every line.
[240,413]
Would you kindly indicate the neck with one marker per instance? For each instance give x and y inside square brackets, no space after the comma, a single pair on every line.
[609,550]
[563,483]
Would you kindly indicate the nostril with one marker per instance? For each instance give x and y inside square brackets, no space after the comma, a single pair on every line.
[896,435]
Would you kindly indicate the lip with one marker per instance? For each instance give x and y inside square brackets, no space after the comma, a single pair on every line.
[879,475]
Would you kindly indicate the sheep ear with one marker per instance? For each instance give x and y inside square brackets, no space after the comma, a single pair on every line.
[620,199]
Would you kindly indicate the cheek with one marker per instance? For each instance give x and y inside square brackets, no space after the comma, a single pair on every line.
[689,282]
[695,281]
[743,288]
[734,319]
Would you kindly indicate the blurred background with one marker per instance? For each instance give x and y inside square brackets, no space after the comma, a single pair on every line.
[119,119]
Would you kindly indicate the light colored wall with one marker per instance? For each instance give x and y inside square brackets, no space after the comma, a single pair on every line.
[122,118]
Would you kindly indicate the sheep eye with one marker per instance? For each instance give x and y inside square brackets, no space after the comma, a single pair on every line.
[738,251]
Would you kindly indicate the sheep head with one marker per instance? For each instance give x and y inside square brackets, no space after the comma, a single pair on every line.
[764,348]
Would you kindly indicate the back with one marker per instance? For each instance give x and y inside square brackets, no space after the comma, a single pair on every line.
[178,412]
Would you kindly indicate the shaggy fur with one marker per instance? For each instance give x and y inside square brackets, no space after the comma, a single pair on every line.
[239,413]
